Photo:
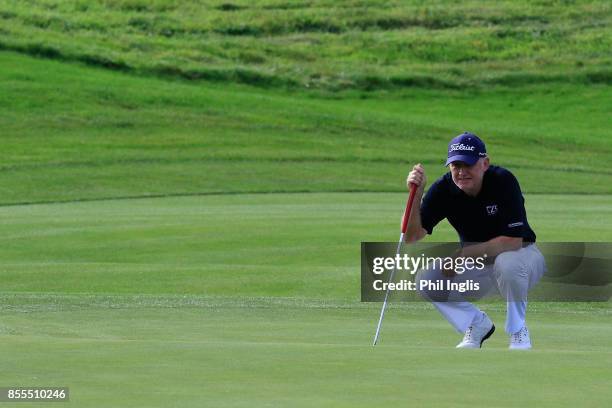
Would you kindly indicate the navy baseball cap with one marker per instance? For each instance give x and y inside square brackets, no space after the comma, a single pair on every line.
[467,147]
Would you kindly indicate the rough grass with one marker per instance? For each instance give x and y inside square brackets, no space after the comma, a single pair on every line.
[324,44]
[71,132]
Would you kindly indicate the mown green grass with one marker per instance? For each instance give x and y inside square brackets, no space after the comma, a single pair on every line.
[324,44]
[159,352]
[287,245]
[252,300]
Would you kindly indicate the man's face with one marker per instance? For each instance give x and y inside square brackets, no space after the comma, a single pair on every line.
[469,178]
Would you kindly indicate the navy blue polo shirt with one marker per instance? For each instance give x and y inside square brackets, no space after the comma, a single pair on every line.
[498,209]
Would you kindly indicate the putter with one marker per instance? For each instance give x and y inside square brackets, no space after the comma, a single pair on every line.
[399,247]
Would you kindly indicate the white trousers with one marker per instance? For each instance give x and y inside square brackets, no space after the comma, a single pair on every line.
[512,275]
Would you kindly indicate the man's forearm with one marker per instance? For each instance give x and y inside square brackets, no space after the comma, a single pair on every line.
[414,228]
[493,247]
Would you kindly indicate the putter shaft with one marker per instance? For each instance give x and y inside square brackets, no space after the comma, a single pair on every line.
[407,212]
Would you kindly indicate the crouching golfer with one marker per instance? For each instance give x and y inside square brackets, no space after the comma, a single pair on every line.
[485,205]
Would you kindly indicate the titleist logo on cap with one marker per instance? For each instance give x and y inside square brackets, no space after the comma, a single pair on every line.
[461,146]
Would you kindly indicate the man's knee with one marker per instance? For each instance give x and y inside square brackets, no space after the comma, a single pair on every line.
[427,285]
[509,267]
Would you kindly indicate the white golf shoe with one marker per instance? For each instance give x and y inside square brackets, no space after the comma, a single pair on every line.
[477,333]
[520,340]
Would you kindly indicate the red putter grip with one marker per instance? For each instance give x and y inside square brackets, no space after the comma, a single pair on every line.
[408,210]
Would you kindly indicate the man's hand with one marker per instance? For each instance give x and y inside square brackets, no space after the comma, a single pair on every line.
[417,177]
[450,273]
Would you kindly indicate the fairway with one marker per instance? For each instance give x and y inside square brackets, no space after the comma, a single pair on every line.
[173,314]
[296,245]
